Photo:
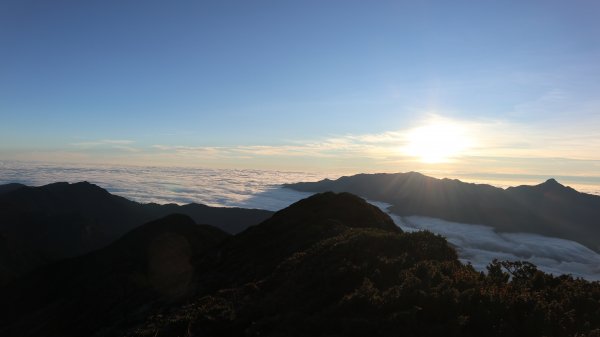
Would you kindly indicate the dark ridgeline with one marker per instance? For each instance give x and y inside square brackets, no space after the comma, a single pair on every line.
[253,254]
[10,187]
[41,224]
[548,208]
[329,265]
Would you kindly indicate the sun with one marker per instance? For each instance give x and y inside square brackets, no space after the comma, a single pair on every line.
[437,142]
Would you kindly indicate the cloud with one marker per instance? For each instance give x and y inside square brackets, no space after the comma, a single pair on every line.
[103,142]
[494,146]
[222,187]
[114,145]
[479,245]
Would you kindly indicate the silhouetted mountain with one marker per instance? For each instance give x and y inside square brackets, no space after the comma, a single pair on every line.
[254,253]
[148,265]
[329,265]
[10,187]
[112,286]
[362,277]
[64,220]
[232,220]
[548,209]
[563,211]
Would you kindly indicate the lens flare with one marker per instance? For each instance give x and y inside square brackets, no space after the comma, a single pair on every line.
[437,142]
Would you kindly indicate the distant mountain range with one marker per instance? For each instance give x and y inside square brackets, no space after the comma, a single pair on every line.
[41,224]
[328,265]
[549,208]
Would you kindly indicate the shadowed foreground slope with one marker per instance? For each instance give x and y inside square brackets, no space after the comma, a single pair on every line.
[369,279]
[41,224]
[329,265]
[110,287]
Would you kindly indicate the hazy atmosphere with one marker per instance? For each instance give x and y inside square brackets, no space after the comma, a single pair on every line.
[447,88]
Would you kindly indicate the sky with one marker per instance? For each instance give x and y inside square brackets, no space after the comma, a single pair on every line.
[466,88]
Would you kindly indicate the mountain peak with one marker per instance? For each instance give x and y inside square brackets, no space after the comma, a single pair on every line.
[346,208]
[551,183]
[179,224]
[65,186]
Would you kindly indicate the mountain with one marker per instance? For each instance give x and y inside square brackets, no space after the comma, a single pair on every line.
[232,220]
[255,252]
[549,208]
[10,187]
[65,220]
[328,265]
[16,260]
[104,291]
[109,287]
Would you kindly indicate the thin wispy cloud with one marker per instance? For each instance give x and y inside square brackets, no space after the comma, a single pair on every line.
[115,145]
[493,146]
[104,142]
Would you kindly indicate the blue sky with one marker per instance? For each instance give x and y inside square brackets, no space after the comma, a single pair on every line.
[323,85]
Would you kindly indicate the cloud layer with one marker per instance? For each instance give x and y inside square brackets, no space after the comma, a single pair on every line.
[213,187]
[484,146]
[479,245]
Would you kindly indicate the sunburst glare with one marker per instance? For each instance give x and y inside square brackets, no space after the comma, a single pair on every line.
[437,142]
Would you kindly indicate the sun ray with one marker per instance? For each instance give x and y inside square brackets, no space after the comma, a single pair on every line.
[437,142]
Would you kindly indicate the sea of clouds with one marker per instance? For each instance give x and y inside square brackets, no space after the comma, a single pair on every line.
[479,245]
[213,187]
[475,244]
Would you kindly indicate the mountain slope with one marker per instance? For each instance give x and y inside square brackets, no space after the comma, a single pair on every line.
[364,278]
[329,265]
[65,220]
[254,253]
[548,209]
[565,211]
[16,260]
[112,286]
[10,187]
[167,260]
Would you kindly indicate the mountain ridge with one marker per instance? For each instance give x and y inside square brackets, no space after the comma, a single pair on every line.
[62,220]
[548,208]
[122,272]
